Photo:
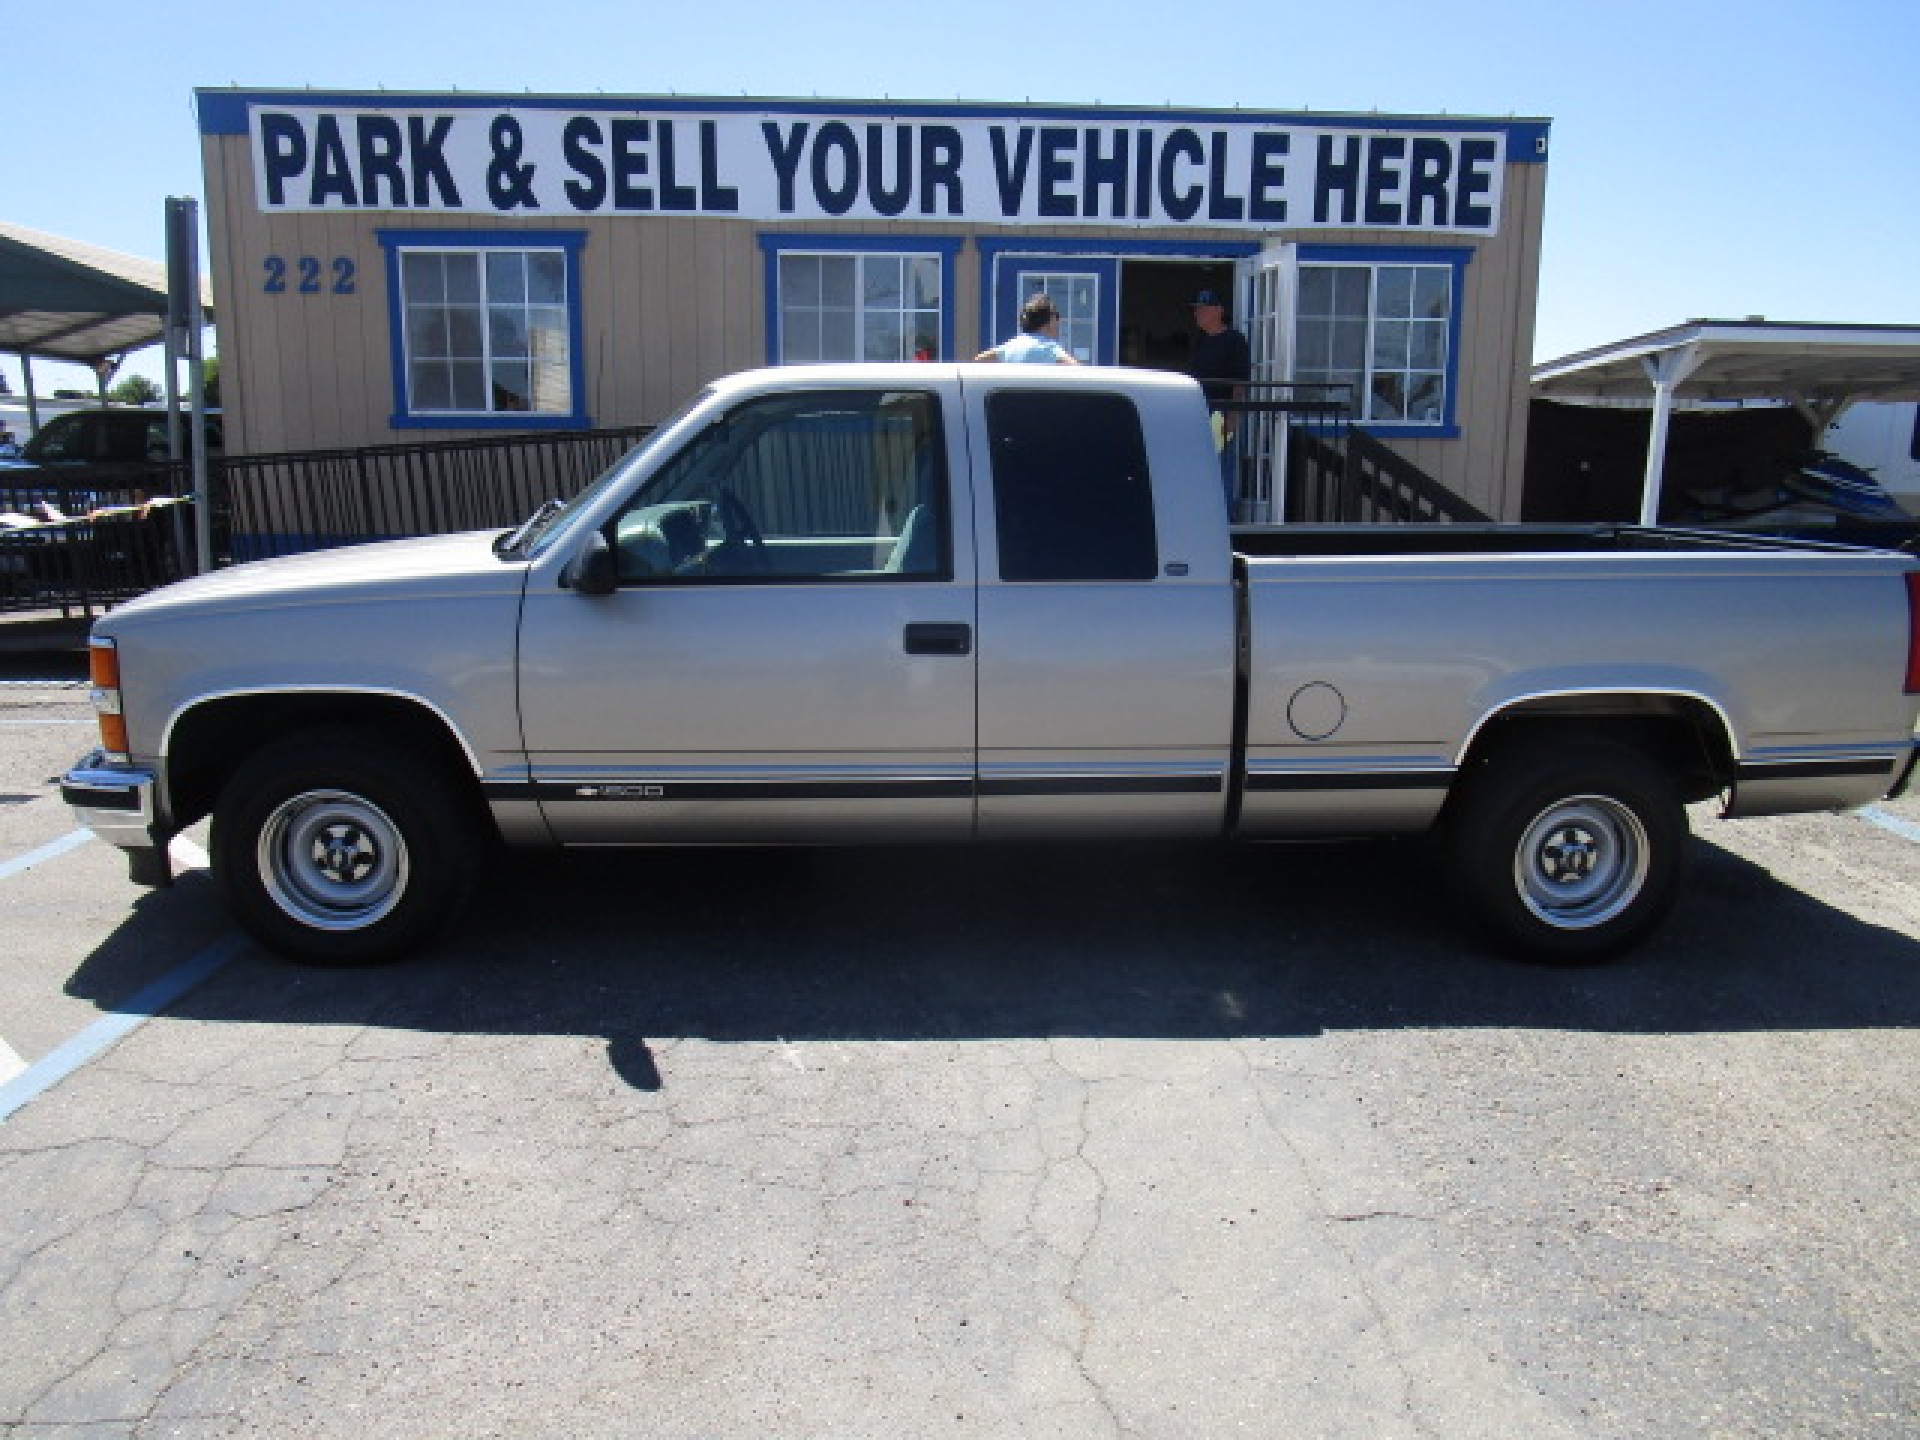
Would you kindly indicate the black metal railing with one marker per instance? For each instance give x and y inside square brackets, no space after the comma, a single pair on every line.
[1302,456]
[284,504]
[1361,481]
[77,540]
[1267,417]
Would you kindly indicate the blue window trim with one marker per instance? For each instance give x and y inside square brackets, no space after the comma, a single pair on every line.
[997,311]
[571,241]
[773,246]
[1374,256]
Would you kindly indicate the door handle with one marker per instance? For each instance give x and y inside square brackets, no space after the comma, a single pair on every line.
[939,639]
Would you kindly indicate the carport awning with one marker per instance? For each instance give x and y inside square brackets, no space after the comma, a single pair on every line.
[66,300]
[1819,368]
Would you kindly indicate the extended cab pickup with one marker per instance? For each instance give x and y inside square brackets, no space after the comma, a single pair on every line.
[888,603]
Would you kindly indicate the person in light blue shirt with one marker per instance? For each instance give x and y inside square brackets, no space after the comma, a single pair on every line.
[1038,342]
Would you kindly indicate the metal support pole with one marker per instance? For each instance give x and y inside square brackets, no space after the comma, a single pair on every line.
[197,400]
[33,400]
[1820,412]
[171,397]
[1667,370]
[186,320]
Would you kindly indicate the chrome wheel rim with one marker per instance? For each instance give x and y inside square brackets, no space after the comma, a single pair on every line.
[1582,862]
[333,861]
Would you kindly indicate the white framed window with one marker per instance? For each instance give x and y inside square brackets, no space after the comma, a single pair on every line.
[1076,297]
[833,299]
[1385,324]
[486,329]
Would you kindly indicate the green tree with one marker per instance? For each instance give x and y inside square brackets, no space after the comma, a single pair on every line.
[135,390]
[210,379]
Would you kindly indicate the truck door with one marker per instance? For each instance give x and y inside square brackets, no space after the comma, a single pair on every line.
[789,655]
[1106,617]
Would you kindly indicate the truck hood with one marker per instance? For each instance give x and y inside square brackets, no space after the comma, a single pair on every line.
[391,570]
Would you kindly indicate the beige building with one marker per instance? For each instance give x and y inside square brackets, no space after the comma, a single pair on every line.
[408,267]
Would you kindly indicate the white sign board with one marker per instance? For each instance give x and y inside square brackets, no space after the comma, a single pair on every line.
[1032,170]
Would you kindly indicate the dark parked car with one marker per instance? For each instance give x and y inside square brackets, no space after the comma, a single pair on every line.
[74,522]
[107,438]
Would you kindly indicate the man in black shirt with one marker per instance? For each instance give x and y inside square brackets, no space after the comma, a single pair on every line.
[1222,364]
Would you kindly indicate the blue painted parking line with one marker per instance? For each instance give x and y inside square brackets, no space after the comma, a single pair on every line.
[103,1034]
[1905,829]
[73,840]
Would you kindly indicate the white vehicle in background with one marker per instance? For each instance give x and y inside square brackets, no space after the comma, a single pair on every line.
[1885,439]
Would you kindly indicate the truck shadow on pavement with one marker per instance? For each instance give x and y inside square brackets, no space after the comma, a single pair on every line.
[1117,941]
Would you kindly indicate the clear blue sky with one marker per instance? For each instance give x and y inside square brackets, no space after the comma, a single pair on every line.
[1709,158]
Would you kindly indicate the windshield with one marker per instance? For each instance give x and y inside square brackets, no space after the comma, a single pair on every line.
[550,520]
[58,439]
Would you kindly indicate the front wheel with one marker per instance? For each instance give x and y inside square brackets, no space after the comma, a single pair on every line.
[336,847]
[1568,852]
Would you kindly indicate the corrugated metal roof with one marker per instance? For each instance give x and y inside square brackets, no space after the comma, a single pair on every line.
[68,300]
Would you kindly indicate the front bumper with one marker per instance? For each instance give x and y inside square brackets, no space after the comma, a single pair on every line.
[117,803]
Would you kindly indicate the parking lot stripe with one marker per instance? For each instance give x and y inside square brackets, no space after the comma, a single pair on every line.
[10,1062]
[73,840]
[107,1032]
[1905,829]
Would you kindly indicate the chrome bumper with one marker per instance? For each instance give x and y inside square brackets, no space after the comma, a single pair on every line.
[116,802]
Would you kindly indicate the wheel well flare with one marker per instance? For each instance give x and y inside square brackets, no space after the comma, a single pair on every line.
[209,741]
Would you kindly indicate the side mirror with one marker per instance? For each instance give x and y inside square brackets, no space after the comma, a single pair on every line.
[592,571]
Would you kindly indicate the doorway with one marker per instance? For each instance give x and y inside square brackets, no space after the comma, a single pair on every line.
[1156,315]
[1114,309]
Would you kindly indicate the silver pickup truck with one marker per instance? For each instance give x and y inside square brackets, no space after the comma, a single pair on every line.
[935,603]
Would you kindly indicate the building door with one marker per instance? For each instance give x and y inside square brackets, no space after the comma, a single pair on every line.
[1086,293]
[1262,283]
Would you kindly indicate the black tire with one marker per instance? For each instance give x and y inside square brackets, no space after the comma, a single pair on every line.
[1568,851]
[336,846]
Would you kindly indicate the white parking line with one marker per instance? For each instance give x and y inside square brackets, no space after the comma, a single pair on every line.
[184,851]
[105,1033]
[72,840]
[21,1082]
[1893,824]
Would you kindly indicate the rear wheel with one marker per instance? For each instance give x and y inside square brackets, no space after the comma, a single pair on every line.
[1568,851]
[337,847]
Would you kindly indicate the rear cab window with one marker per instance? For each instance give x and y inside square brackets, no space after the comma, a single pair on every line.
[1073,499]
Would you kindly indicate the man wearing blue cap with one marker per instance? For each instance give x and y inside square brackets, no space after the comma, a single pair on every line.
[1222,363]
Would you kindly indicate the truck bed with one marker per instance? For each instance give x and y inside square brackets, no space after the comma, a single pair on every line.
[1278,541]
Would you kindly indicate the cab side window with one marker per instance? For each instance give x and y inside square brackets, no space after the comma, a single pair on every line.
[829,484]
[1072,496]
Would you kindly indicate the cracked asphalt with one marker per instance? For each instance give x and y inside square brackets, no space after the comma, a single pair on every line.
[1080,1143]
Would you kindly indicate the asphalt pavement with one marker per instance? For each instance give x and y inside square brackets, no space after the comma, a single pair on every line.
[1073,1141]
